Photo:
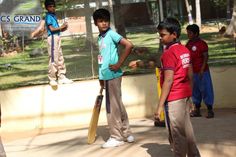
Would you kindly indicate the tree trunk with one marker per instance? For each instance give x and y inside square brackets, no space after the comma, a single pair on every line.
[98,4]
[119,21]
[228,9]
[149,10]
[112,20]
[198,13]
[89,32]
[231,29]
[190,18]
[180,10]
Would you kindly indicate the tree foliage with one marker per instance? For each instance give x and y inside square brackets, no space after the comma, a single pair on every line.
[219,4]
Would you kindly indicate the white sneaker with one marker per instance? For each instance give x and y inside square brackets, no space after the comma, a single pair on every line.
[65,81]
[130,139]
[53,83]
[112,142]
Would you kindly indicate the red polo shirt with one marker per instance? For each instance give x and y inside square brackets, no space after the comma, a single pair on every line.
[176,57]
[197,48]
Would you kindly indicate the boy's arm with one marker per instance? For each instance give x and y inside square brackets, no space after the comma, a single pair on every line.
[205,60]
[190,75]
[58,29]
[128,47]
[101,82]
[168,81]
[39,29]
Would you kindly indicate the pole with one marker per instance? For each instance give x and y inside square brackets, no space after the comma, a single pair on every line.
[161,10]
[23,41]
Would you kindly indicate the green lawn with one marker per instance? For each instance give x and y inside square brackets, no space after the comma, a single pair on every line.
[22,70]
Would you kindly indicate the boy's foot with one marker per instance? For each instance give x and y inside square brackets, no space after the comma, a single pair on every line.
[195,113]
[65,81]
[210,114]
[112,142]
[130,139]
[53,83]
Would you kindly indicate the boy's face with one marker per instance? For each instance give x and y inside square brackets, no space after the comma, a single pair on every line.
[102,24]
[166,37]
[51,8]
[190,34]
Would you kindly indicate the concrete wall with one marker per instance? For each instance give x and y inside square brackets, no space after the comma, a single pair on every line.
[41,106]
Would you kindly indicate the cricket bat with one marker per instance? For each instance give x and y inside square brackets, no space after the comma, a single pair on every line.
[160,122]
[94,119]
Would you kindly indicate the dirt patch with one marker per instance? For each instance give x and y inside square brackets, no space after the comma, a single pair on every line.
[13,53]
[209,29]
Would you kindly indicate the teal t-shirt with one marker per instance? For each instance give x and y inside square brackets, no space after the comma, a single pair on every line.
[108,53]
[51,19]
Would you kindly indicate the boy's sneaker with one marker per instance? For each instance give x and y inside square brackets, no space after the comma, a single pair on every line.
[112,142]
[130,139]
[195,113]
[210,114]
[53,83]
[65,81]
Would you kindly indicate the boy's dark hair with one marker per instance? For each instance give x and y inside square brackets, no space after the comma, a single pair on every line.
[171,25]
[193,28]
[49,2]
[101,14]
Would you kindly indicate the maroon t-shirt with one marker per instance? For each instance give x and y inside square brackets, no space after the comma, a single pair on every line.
[176,57]
[197,48]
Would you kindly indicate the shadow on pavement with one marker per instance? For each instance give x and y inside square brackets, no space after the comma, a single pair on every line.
[157,150]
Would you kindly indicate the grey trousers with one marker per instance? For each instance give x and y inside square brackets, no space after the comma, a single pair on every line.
[117,117]
[56,65]
[180,129]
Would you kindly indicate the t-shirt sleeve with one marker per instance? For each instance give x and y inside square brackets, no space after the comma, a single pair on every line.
[115,36]
[204,47]
[49,20]
[168,61]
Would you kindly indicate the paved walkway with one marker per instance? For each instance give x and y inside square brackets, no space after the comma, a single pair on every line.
[215,138]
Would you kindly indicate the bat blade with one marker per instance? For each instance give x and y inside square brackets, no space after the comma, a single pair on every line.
[159,122]
[94,120]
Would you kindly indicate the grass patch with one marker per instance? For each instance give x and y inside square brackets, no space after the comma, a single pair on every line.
[22,70]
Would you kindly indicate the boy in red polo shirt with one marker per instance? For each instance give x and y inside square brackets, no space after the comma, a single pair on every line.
[202,84]
[176,76]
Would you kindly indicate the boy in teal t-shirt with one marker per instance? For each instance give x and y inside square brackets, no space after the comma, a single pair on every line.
[56,67]
[110,75]
[108,43]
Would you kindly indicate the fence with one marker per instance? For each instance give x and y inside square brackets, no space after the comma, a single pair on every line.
[24,61]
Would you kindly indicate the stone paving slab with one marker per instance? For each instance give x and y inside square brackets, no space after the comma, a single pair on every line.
[215,138]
